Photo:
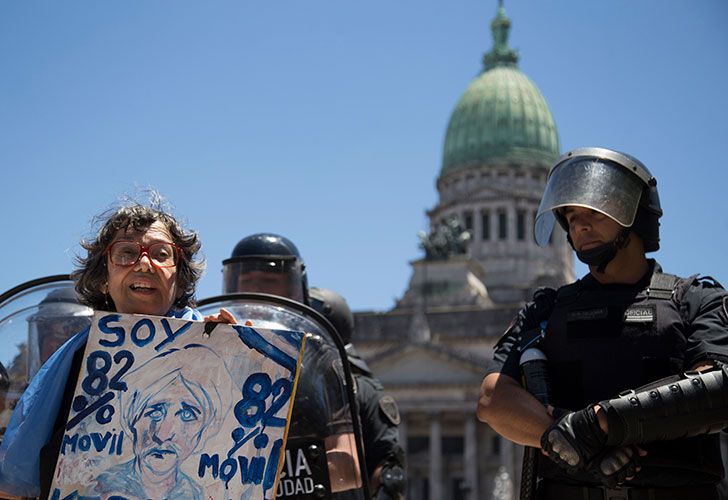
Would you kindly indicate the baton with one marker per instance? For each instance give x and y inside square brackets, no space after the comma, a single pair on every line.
[535,380]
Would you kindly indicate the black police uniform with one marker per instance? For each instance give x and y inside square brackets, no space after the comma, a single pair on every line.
[379,417]
[602,339]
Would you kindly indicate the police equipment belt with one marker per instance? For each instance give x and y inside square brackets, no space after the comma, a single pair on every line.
[552,491]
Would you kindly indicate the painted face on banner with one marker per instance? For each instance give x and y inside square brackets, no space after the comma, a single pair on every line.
[169,428]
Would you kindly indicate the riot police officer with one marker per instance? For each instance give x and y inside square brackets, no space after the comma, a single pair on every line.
[271,263]
[378,411]
[57,317]
[266,263]
[625,324]
[60,315]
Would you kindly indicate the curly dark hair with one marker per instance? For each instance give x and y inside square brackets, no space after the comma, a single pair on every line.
[91,273]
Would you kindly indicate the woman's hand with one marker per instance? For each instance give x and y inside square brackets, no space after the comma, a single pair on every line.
[224,316]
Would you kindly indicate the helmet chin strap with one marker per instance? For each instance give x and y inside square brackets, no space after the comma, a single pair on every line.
[602,255]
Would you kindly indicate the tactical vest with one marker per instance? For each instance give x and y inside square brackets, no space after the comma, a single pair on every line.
[601,340]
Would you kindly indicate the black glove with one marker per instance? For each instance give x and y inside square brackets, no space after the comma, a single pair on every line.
[574,439]
[392,485]
[614,465]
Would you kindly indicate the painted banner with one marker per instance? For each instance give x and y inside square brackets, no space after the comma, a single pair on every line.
[167,408]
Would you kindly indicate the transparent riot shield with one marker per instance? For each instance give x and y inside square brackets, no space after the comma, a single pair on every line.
[36,318]
[324,455]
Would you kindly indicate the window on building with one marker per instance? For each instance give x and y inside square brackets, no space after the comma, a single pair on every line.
[502,225]
[468,220]
[418,487]
[452,445]
[458,488]
[418,444]
[495,445]
[485,225]
[521,225]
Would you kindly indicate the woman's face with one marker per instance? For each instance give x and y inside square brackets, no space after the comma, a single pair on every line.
[143,288]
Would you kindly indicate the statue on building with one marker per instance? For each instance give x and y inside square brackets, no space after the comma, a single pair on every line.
[445,240]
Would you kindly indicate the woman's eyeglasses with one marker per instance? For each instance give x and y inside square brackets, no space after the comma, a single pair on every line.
[128,253]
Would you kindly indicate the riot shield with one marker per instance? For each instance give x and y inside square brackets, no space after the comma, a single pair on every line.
[324,455]
[36,318]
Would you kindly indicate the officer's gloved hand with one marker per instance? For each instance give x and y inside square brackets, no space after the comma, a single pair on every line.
[574,439]
[614,466]
[392,483]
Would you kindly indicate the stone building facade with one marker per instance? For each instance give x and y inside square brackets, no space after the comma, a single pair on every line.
[431,348]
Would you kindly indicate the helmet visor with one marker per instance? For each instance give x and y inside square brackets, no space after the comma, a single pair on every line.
[280,276]
[50,326]
[585,182]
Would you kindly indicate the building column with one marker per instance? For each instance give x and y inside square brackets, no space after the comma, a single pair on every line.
[475,230]
[435,457]
[470,458]
[402,429]
[530,221]
[508,458]
[511,224]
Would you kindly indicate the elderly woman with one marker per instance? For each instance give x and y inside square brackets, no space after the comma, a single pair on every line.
[142,261]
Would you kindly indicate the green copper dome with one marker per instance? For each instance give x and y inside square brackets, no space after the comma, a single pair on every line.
[502,115]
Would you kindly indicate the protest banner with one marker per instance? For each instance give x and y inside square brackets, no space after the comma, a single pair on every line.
[167,408]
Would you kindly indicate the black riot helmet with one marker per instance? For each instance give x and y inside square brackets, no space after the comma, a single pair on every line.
[266,263]
[334,307]
[613,183]
[59,316]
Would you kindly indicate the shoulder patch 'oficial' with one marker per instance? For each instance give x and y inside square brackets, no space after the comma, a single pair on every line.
[389,407]
[645,313]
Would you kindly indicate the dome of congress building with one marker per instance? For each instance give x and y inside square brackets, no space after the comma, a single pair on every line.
[502,114]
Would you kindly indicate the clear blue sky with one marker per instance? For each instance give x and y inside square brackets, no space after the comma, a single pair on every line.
[324,120]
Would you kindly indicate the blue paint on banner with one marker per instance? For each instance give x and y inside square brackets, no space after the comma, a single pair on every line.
[171,334]
[254,340]
[111,330]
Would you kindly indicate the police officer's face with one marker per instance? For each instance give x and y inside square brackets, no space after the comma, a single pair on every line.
[143,288]
[265,282]
[589,229]
[55,333]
